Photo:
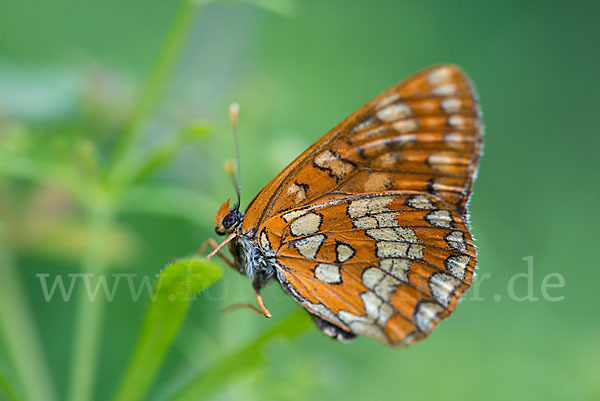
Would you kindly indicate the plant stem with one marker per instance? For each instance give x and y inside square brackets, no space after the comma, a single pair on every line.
[21,334]
[89,312]
[154,86]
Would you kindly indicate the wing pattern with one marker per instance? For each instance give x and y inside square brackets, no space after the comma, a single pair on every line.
[386,265]
[422,135]
[368,227]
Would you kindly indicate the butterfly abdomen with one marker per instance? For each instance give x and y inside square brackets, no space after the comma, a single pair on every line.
[252,261]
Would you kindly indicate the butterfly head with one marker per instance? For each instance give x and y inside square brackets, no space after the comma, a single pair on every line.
[227,219]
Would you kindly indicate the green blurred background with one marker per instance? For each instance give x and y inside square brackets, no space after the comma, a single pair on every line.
[71,76]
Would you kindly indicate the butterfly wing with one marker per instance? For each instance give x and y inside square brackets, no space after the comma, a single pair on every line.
[386,265]
[367,228]
[421,135]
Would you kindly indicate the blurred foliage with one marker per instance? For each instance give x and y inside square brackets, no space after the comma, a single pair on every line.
[169,302]
[113,131]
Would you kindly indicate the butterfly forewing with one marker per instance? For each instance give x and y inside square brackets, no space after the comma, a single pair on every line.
[423,135]
[367,228]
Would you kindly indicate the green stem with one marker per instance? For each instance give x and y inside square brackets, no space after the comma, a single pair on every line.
[154,86]
[89,312]
[21,334]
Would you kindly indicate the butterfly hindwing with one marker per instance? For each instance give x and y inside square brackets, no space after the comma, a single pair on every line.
[386,265]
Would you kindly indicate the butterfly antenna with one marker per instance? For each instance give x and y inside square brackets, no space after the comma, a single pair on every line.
[234,110]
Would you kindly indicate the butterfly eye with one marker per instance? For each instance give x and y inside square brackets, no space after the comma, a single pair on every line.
[231,219]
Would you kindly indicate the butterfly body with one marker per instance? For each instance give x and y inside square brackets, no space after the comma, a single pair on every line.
[367,229]
[252,261]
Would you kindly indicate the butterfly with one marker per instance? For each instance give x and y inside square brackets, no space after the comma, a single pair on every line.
[368,228]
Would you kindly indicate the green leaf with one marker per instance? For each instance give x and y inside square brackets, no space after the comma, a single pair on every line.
[232,366]
[175,286]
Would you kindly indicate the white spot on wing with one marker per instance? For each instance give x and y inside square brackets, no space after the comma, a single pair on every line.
[365,222]
[426,315]
[388,249]
[294,214]
[398,268]
[457,121]
[361,207]
[445,90]
[392,249]
[440,218]
[451,105]
[442,286]
[362,325]
[404,126]
[441,158]
[372,323]
[328,273]
[415,251]
[371,303]
[297,190]
[457,264]
[264,242]
[307,224]
[420,202]
[371,276]
[439,75]
[387,287]
[454,137]
[403,234]
[385,312]
[309,246]
[332,162]
[394,112]
[456,241]
[387,219]
[344,252]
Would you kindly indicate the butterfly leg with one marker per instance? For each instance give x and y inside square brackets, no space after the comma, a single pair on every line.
[332,330]
[262,311]
[233,307]
[214,245]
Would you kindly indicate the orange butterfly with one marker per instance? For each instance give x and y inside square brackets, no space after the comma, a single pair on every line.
[367,229]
